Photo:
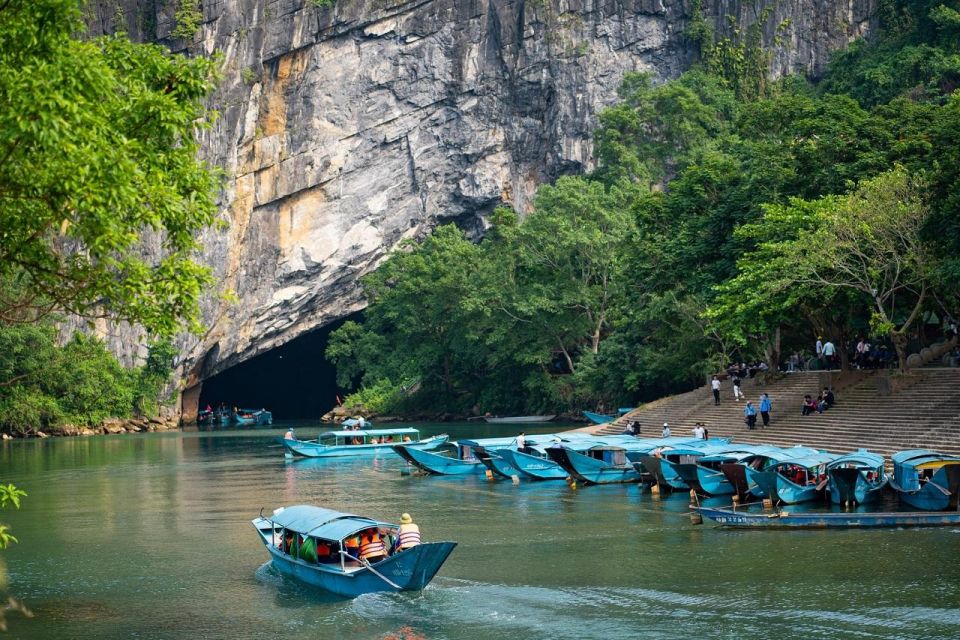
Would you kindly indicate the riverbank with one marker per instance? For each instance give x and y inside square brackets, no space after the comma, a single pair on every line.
[111,426]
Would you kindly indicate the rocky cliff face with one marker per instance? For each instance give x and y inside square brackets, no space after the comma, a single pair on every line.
[345,130]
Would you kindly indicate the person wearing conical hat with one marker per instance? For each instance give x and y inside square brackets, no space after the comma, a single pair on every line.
[409,534]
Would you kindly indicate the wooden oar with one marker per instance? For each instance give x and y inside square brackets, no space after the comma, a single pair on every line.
[366,564]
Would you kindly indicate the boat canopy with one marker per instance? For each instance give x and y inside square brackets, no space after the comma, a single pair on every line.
[739,451]
[809,461]
[861,458]
[913,457]
[369,432]
[322,523]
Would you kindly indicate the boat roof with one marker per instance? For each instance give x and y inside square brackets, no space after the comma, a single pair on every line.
[322,523]
[729,451]
[919,456]
[862,456]
[809,460]
[371,432]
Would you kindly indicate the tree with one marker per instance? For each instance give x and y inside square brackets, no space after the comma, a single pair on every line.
[101,191]
[868,242]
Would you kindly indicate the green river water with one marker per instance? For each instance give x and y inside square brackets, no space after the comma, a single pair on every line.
[149,536]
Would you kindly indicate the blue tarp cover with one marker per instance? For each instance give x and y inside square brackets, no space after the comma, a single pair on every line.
[322,523]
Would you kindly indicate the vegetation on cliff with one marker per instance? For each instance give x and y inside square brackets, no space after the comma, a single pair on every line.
[725,219]
[102,197]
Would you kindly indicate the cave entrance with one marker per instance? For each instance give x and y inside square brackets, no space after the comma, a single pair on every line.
[294,380]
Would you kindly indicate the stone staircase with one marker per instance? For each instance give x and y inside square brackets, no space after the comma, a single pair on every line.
[925,413]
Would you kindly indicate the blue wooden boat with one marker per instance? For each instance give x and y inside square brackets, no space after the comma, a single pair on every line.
[518,419]
[352,443]
[296,538]
[610,461]
[794,480]
[705,473]
[742,473]
[359,423]
[465,458]
[250,417]
[926,479]
[598,418]
[856,478]
[495,461]
[534,463]
[664,463]
[827,520]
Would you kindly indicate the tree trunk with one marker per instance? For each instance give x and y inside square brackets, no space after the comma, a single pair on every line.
[772,349]
[899,340]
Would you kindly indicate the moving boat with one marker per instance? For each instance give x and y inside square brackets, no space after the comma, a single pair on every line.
[742,473]
[705,474]
[518,419]
[313,544]
[369,442]
[827,520]
[856,478]
[926,479]
[794,480]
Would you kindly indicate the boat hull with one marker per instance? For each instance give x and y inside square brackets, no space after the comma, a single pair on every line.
[534,467]
[520,419]
[850,486]
[496,463]
[411,570]
[812,520]
[316,450]
[597,418]
[590,470]
[778,488]
[436,464]
[705,480]
[939,494]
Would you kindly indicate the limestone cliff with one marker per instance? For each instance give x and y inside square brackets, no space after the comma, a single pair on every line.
[345,130]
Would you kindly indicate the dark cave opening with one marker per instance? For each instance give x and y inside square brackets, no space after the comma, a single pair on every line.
[294,381]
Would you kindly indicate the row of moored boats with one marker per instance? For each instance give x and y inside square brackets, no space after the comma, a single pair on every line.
[925,480]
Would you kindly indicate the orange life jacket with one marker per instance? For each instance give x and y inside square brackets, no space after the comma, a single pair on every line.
[372,547]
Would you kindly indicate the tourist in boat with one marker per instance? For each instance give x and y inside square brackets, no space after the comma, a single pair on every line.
[289,435]
[698,431]
[765,406]
[371,546]
[521,442]
[406,438]
[409,533]
[750,415]
[809,406]
[666,430]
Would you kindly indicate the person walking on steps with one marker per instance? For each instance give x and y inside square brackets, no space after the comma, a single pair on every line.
[737,394]
[750,415]
[715,385]
[765,406]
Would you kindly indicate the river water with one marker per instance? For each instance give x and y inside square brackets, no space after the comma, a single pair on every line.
[148,536]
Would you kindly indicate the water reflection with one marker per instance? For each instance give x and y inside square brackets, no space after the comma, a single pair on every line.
[149,536]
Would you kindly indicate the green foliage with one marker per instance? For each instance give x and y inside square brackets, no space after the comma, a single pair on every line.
[382,397]
[323,3]
[101,192]
[188,18]
[9,496]
[44,386]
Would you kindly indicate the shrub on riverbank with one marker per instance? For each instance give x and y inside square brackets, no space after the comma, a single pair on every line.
[45,387]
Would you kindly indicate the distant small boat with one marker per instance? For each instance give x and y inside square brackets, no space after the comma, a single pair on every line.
[259,417]
[827,520]
[312,544]
[856,478]
[598,418]
[353,443]
[926,479]
[518,419]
